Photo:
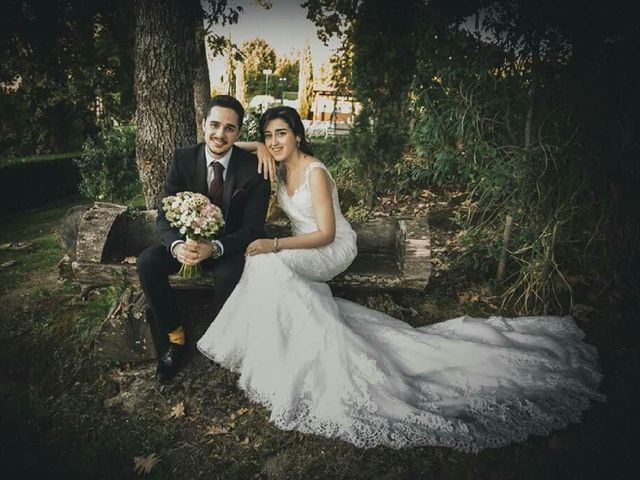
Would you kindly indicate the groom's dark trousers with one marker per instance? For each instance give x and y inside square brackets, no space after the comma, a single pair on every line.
[245,203]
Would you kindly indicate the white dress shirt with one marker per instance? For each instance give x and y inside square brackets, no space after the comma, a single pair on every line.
[224,161]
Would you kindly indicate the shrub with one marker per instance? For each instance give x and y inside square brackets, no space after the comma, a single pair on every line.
[249,131]
[107,166]
[329,150]
[348,174]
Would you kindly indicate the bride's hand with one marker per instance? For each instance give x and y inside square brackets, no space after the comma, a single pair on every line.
[262,245]
[266,162]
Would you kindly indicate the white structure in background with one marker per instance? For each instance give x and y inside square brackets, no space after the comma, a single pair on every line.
[260,103]
[332,114]
[292,103]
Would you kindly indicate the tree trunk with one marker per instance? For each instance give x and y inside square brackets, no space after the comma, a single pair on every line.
[305,83]
[163,84]
[371,194]
[241,86]
[506,238]
[530,124]
[527,194]
[201,85]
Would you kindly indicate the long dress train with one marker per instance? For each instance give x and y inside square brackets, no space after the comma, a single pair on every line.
[331,367]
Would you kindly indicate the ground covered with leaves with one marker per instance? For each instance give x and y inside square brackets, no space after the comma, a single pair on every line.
[63,414]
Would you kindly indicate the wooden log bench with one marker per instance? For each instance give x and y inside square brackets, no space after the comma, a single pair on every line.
[103,241]
[393,252]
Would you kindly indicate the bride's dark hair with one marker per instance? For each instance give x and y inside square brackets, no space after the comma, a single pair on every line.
[291,116]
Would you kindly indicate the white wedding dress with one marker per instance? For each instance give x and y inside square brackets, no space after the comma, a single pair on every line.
[330,367]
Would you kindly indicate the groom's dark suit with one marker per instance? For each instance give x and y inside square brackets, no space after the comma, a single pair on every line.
[245,203]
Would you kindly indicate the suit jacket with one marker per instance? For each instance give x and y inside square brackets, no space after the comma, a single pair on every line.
[245,196]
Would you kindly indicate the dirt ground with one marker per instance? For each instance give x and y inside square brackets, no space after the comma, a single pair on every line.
[65,415]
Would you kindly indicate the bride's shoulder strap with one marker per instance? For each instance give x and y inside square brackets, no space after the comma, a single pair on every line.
[312,166]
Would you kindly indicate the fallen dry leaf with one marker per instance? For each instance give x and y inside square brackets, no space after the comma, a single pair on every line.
[242,411]
[8,263]
[129,260]
[143,465]
[245,441]
[216,430]
[177,410]
[465,298]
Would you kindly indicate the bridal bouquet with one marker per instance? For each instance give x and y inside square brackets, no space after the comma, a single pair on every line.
[196,218]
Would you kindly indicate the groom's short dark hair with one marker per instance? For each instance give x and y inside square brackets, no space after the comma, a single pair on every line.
[226,101]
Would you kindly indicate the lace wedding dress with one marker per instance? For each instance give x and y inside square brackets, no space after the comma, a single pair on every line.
[330,367]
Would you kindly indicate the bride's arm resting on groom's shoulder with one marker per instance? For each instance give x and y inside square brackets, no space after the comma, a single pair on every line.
[266,162]
[321,187]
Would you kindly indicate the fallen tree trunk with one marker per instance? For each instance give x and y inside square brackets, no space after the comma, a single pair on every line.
[393,254]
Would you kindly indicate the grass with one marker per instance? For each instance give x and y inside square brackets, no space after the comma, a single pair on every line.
[37,228]
[64,415]
[42,254]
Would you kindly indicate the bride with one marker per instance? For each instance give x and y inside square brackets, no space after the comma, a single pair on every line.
[330,367]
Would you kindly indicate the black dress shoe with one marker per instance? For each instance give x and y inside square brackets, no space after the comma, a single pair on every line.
[170,362]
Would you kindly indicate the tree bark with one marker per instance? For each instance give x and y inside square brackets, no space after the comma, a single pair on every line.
[506,238]
[163,84]
[305,83]
[201,85]
[241,86]
[530,123]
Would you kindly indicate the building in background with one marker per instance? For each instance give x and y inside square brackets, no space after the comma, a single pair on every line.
[332,113]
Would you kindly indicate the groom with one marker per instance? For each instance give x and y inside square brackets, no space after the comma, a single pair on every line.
[229,177]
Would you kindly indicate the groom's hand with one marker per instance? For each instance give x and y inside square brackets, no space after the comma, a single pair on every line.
[203,249]
[192,252]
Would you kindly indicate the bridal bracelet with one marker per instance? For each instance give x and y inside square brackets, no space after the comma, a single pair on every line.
[275,245]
